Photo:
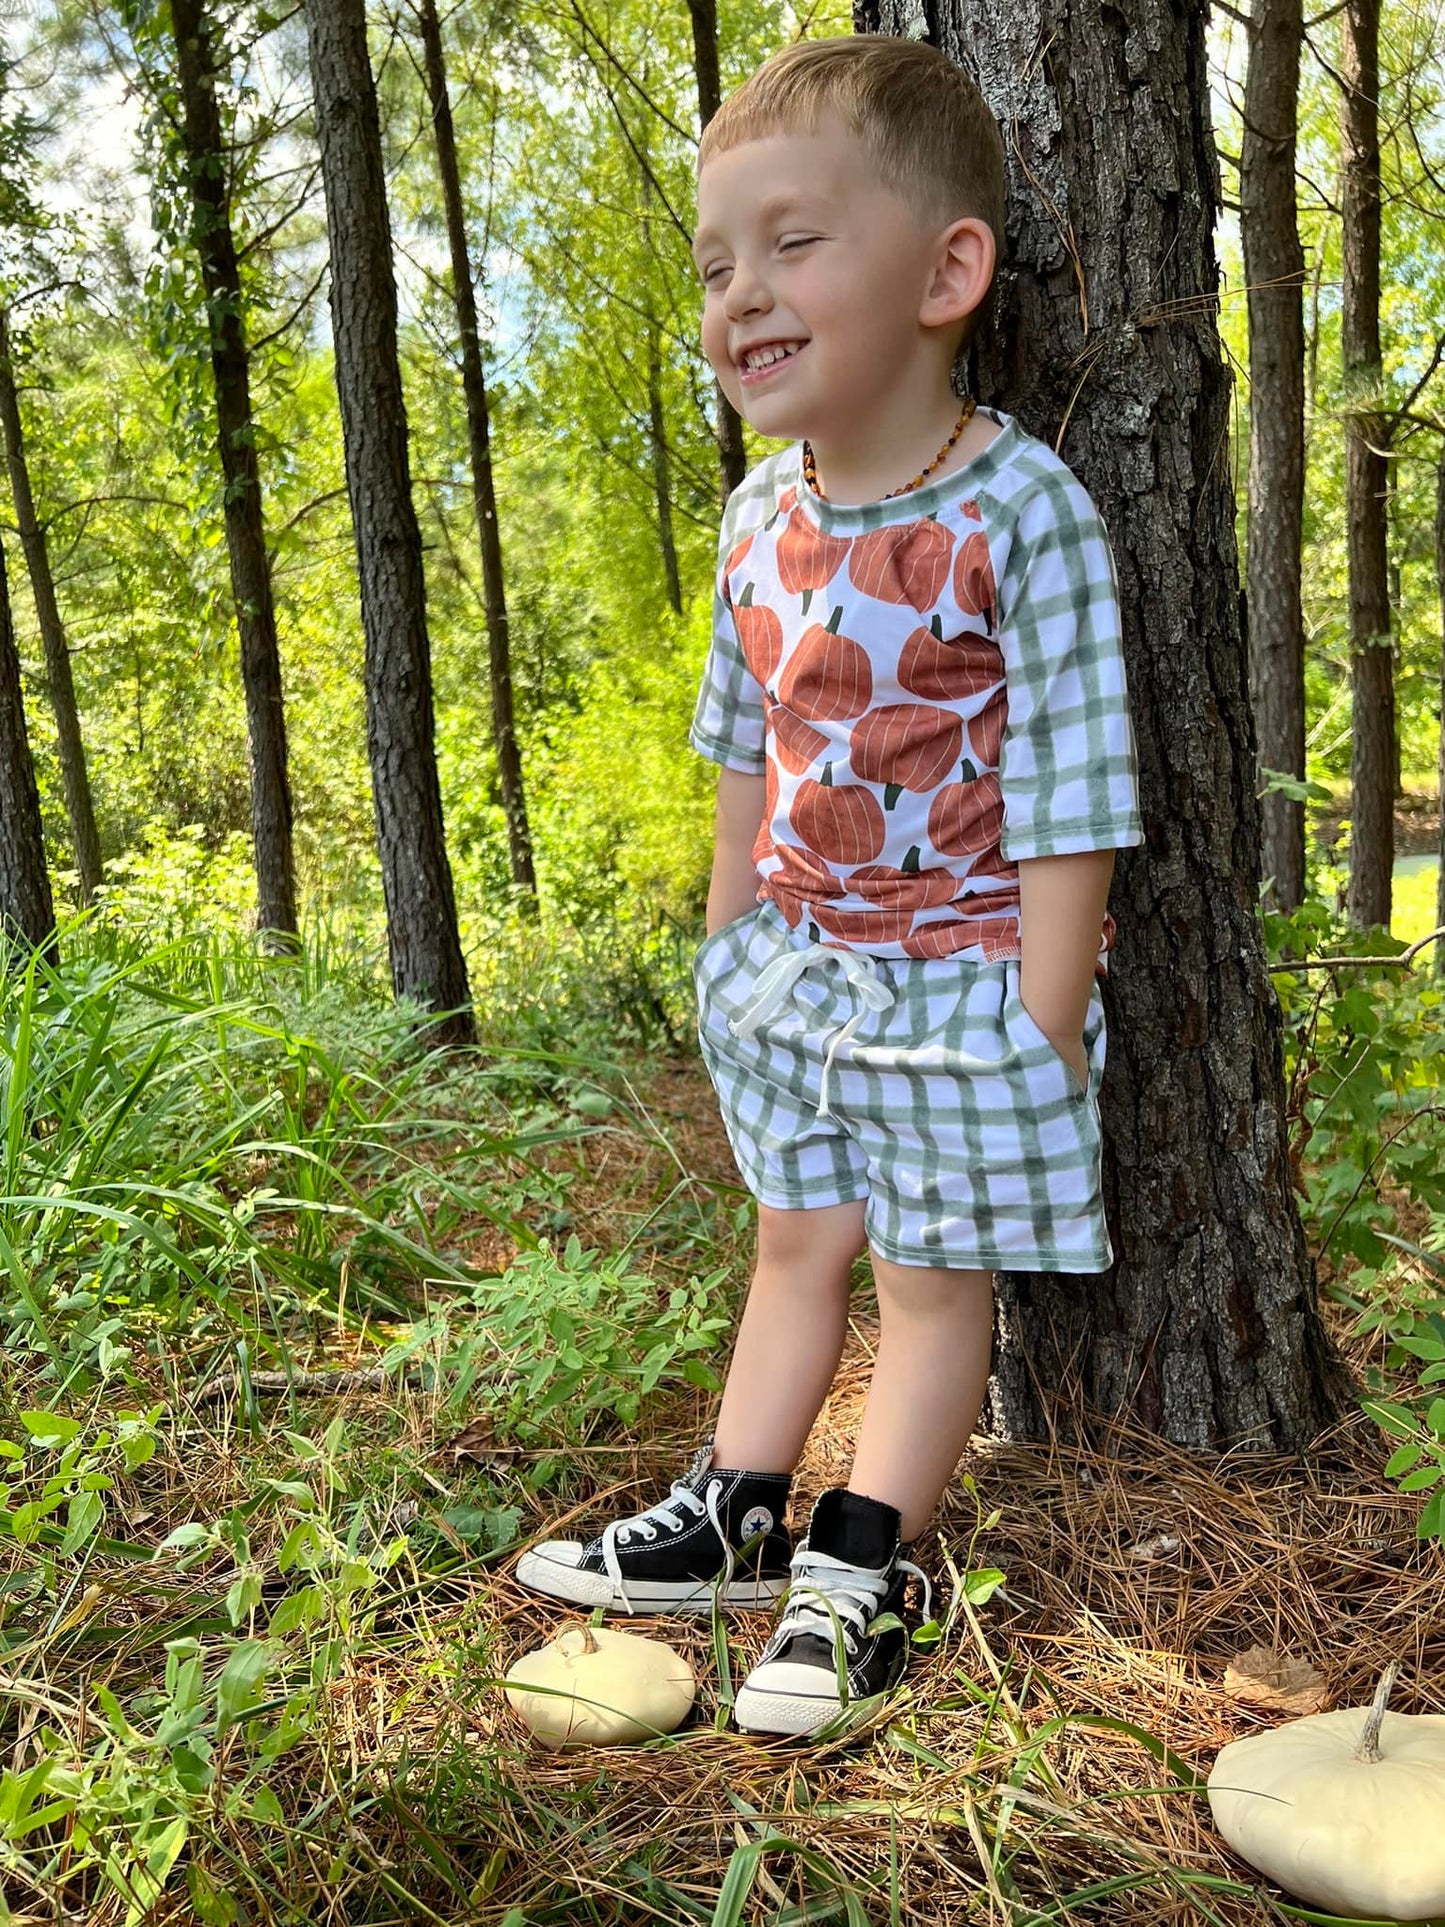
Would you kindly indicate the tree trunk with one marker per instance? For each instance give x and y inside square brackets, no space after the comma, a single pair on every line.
[79,808]
[1372,753]
[1207,1328]
[661,475]
[27,913]
[732,456]
[208,170]
[1274,276]
[657,419]
[474,388]
[421,917]
[1440,588]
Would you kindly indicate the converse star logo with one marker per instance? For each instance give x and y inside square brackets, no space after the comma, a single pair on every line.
[757,1520]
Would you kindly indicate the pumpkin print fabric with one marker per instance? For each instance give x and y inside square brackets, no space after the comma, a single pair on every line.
[935,688]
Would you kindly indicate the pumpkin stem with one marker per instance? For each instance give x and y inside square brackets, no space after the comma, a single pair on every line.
[589,1644]
[1369,1746]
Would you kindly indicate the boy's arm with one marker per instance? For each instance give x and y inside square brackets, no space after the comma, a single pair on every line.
[734,887]
[1062,901]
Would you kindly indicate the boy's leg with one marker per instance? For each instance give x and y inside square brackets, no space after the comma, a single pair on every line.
[724,1519]
[934,1347]
[928,1384]
[791,1335]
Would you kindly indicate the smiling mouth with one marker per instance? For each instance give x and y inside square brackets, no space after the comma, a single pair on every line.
[759,365]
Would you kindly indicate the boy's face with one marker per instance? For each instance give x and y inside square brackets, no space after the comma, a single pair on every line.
[800,247]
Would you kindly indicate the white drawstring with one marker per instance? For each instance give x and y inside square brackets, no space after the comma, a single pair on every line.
[854,1592]
[775,983]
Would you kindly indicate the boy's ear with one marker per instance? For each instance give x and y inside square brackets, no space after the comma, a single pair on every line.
[962,272]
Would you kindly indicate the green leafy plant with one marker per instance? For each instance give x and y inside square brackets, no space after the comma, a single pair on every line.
[1365,1066]
[1415,1339]
[562,1342]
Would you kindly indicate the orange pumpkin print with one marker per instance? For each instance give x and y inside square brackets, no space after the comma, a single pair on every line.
[907,565]
[974,589]
[889,889]
[797,743]
[842,821]
[907,746]
[991,862]
[944,936]
[805,874]
[828,677]
[736,557]
[807,559]
[864,926]
[985,730]
[948,672]
[761,634]
[966,818]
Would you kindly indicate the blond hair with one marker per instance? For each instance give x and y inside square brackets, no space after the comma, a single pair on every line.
[922,121]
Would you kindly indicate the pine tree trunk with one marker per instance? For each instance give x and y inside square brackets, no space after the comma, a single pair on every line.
[27,913]
[1274,275]
[1372,751]
[661,468]
[1207,1329]
[79,806]
[426,952]
[474,389]
[208,168]
[732,455]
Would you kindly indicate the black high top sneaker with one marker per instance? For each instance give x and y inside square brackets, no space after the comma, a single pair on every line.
[717,1531]
[852,1562]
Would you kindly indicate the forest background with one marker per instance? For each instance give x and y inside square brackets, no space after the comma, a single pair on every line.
[307,1327]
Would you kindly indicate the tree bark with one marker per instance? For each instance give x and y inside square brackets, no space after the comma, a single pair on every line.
[657,433]
[1274,276]
[27,911]
[474,389]
[1207,1328]
[207,168]
[1372,751]
[425,947]
[661,469]
[732,455]
[79,806]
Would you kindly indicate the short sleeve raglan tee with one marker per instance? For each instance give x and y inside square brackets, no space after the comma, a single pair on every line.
[933,687]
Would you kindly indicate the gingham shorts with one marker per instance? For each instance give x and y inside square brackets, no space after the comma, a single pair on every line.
[924,1087]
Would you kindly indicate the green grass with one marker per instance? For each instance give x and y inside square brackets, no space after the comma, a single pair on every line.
[250,1632]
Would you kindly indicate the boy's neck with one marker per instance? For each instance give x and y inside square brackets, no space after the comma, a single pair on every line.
[863,464]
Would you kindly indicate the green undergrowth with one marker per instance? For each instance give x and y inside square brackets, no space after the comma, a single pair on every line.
[246,1623]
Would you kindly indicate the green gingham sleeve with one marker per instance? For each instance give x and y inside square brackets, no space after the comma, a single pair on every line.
[727,724]
[1068,769]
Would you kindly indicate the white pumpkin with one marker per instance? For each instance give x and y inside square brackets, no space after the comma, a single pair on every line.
[603,1688]
[1346,1810]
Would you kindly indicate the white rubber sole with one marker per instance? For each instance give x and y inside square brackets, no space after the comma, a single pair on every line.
[797,1700]
[782,1713]
[561,1580]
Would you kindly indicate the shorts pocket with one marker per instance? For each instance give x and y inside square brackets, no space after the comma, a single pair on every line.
[1037,1042]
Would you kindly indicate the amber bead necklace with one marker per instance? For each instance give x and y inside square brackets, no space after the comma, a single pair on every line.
[810,471]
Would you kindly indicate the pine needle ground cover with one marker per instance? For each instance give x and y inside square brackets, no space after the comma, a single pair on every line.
[308,1332]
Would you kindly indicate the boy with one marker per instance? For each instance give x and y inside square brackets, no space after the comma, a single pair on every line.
[917,698]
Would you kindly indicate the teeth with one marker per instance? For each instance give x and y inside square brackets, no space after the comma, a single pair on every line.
[765,357]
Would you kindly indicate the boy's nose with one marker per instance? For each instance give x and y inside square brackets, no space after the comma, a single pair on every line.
[747,293]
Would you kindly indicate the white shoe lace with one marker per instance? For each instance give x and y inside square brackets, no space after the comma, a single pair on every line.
[681,1499]
[854,1592]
